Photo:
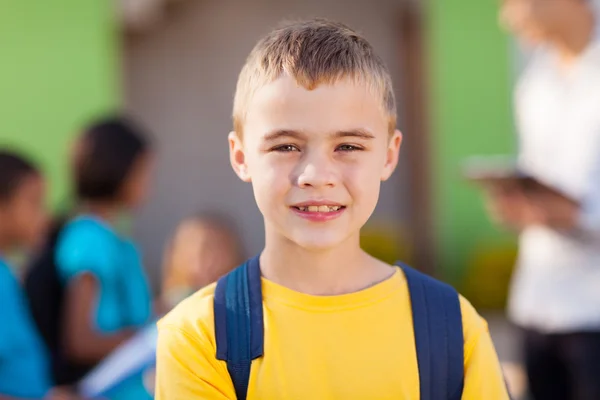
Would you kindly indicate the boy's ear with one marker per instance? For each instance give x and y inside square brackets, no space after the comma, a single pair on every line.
[392,154]
[237,157]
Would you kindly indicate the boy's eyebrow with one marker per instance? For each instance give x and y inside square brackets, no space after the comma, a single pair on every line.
[282,133]
[356,133]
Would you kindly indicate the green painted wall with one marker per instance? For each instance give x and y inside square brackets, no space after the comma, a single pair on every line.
[58,68]
[471,84]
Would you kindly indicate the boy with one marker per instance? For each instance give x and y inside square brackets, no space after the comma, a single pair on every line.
[24,366]
[314,131]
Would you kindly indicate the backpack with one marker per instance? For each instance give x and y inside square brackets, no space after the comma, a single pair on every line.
[45,293]
[437,321]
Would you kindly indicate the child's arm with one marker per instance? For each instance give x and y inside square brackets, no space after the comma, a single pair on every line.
[187,367]
[483,375]
[82,342]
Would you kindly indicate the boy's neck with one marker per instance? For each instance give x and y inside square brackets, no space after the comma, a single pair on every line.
[340,270]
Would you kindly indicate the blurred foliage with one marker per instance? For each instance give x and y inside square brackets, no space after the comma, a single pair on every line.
[386,242]
[487,276]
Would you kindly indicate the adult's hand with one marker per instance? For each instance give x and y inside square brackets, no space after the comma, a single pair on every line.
[510,206]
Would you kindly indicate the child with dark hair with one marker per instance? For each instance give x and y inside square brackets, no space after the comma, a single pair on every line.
[110,163]
[24,366]
[107,297]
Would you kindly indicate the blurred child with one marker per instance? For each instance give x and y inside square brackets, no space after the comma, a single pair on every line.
[202,249]
[107,295]
[24,363]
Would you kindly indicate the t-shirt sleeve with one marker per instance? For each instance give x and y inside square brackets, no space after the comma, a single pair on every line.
[187,368]
[186,362]
[80,250]
[483,374]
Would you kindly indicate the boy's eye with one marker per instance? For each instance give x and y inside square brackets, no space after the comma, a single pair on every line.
[285,148]
[348,147]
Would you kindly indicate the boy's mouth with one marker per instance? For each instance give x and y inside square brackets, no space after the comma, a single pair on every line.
[319,208]
[318,211]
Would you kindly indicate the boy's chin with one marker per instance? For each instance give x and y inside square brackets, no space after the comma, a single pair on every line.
[317,243]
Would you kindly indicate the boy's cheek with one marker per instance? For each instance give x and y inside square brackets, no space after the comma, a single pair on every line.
[272,178]
[368,192]
[267,194]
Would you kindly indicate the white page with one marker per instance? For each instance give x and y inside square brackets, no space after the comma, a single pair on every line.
[128,359]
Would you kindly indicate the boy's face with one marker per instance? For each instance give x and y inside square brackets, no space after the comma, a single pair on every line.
[24,213]
[315,158]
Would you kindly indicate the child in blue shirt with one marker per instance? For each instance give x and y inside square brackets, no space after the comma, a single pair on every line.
[107,296]
[24,363]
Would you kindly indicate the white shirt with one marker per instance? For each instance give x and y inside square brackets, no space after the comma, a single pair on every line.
[556,287]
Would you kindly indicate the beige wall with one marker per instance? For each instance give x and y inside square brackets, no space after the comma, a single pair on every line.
[180,79]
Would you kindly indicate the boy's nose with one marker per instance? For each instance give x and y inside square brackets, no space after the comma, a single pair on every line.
[316,174]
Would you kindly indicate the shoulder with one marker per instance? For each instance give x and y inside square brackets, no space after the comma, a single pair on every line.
[85,231]
[472,323]
[193,319]
[535,65]
[474,326]
[186,362]
[83,244]
[8,282]
[5,273]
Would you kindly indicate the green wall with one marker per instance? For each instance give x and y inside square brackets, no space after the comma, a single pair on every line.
[58,68]
[471,86]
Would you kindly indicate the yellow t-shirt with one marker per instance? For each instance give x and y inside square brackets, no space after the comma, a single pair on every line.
[353,346]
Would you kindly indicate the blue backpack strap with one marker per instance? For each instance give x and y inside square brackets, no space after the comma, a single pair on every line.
[239,329]
[438,330]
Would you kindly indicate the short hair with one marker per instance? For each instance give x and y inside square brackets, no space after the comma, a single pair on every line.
[313,52]
[13,169]
[104,157]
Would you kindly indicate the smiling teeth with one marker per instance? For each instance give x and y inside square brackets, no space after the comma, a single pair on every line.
[319,208]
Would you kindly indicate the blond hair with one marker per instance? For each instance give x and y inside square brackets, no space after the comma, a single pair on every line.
[313,52]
